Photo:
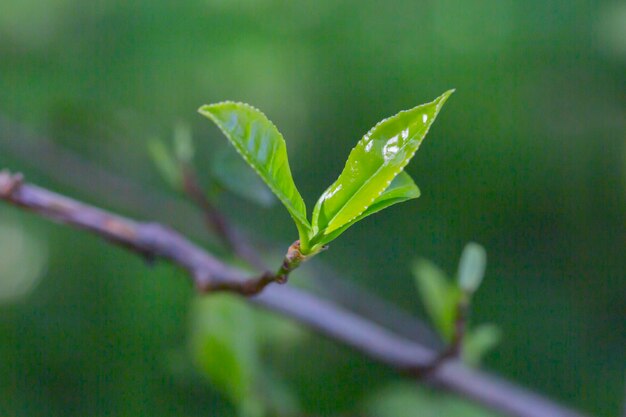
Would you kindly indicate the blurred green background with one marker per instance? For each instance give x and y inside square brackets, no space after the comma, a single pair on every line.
[528,158]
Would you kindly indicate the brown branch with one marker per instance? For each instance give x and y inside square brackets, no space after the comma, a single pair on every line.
[208,273]
[460,326]
[348,294]
[236,242]
[89,178]
[217,222]
[123,194]
[233,240]
[254,286]
[150,240]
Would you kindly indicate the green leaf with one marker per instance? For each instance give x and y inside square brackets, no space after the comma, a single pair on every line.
[373,163]
[227,340]
[165,163]
[183,143]
[472,267]
[223,346]
[403,399]
[480,341]
[232,173]
[401,189]
[262,146]
[438,295]
[279,395]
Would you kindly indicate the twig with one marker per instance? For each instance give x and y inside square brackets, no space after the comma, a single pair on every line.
[236,242]
[343,291]
[124,194]
[207,272]
[460,325]
[254,286]
[455,347]
[90,178]
[151,240]
[217,222]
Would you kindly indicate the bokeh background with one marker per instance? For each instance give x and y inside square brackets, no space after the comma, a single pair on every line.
[528,158]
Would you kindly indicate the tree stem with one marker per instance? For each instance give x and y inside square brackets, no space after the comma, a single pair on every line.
[208,273]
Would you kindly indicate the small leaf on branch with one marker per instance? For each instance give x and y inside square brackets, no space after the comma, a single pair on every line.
[401,189]
[472,267]
[373,164]
[183,143]
[438,294]
[262,146]
[223,345]
[480,341]
[165,163]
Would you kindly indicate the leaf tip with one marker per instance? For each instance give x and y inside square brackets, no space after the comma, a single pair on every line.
[207,109]
[204,109]
[444,97]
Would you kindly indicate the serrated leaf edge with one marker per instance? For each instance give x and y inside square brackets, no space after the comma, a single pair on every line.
[280,195]
[440,102]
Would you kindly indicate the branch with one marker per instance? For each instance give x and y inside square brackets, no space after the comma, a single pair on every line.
[235,242]
[218,223]
[153,241]
[454,348]
[42,154]
[124,194]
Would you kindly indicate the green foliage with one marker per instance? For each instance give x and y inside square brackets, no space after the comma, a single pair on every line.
[534,161]
[222,346]
[166,164]
[480,341]
[472,267]
[23,261]
[228,171]
[373,163]
[401,189]
[169,161]
[369,182]
[226,341]
[441,295]
[262,146]
[183,144]
[410,400]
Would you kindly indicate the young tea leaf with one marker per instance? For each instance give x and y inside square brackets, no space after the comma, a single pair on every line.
[438,295]
[403,399]
[262,146]
[480,341]
[373,163]
[223,345]
[165,163]
[472,267]
[183,143]
[401,189]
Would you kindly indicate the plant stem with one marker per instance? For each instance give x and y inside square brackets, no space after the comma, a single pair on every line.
[454,350]
[208,273]
[216,221]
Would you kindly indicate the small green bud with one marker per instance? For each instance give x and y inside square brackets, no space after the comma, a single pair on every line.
[183,143]
[165,163]
[472,267]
